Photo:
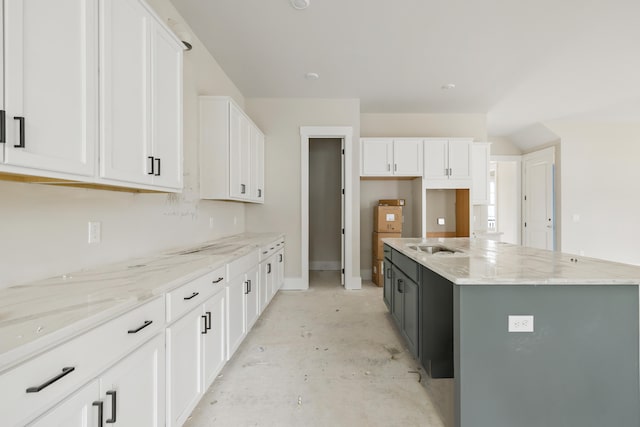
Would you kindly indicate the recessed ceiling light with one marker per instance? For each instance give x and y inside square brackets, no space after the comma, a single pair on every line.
[448,86]
[300,4]
[312,76]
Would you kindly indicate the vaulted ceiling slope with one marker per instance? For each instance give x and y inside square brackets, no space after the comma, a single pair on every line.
[519,62]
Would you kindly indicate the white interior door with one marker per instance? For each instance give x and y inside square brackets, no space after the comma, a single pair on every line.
[342,251]
[539,218]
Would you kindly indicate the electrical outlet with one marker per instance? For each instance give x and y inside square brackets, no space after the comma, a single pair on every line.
[520,323]
[95,232]
[440,221]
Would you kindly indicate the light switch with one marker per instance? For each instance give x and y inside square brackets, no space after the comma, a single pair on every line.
[520,323]
[440,221]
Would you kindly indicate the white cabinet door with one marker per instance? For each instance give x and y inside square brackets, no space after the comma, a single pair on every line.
[125,62]
[436,162]
[480,173]
[3,115]
[407,157]
[51,85]
[184,366]
[214,352]
[279,279]
[235,314]
[459,160]
[76,411]
[166,108]
[239,147]
[376,157]
[133,390]
[252,297]
[257,155]
[266,279]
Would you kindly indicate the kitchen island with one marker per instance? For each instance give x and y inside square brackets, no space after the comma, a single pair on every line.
[531,337]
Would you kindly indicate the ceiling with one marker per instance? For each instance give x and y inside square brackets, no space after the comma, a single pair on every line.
[521,63]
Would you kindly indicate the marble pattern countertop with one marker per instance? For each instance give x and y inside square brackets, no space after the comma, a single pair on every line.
[37,315]
[487,262]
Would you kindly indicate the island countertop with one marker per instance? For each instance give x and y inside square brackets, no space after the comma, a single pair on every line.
[487,262]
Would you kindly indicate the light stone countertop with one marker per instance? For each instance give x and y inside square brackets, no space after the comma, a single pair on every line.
[41,314]
[488,262]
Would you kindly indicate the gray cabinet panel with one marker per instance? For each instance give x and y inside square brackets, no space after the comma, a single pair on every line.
[411,315]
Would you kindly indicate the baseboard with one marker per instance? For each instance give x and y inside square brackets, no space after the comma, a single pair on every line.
[325,265]
[293,284]
[366,274]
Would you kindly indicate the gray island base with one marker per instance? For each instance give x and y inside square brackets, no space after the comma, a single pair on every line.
[575,365]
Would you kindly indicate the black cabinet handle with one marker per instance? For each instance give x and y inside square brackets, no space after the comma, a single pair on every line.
[144,325]
[250,287]
[400,289]
[246,287]
[3,126]
[204,331]
[259,192]
[218,280]
[243,188]
[268,268]
[388,273]
[100,405]
[265,252]
[193,295]
[281,257]
[158,171]
[21,122]
[65,371]
[151,171]
[112,420]
[208,313]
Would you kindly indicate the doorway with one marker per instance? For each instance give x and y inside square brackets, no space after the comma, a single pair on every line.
[504,215]
[326,205]
[538,200]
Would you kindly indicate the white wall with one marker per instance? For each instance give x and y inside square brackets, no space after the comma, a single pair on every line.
[600,184]
[441,204]
[503,146]
[325,212]
[280,119]
[44,228]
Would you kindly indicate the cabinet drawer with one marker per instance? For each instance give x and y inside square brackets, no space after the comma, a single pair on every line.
[32,387]
[242,265]
[267,250]
[183,299]
[406,264]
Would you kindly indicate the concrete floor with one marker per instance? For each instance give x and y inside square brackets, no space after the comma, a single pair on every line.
[325,357]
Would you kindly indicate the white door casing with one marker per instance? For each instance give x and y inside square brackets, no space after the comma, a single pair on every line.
[538,199]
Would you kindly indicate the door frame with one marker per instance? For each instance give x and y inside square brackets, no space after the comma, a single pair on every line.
[517,159]
[336,132]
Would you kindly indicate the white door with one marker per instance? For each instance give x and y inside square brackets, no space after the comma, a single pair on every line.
[407,157]
[252,297]
[435,159]
[538,200]
[377,157]
[184,365]
[51,84]
[459,160]
[342,219]
[213,354]
[76,411]
[124,93]
[166,108]
[235,314]
[133,390]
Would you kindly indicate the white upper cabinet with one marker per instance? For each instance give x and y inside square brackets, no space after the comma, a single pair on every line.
[50,124]
[231,152]
[480,173]
[141,97]
[447,162]
[391,157]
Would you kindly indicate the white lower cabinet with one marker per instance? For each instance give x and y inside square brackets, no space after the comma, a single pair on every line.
[252,297]
[131,393]
[195,355]
[279,277]
[235,314]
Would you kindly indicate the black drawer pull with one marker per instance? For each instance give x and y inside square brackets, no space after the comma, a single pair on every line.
[218,280]
[281,258]
[152,171]
[112,420]
[268,268]
[3,126]
[144,325]
[243,189]
[65,371]
[265,252]
[246,289]
[193,295]
[204,331]
[100,405]
[400,282]
[158,172]
[21,121]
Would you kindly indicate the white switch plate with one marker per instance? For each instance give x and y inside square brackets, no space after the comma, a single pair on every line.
[440,221]
[520,323]
[95,232]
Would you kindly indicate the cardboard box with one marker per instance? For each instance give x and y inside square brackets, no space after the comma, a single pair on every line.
[377,272]
[378,252]
[391,202]
[387,219]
